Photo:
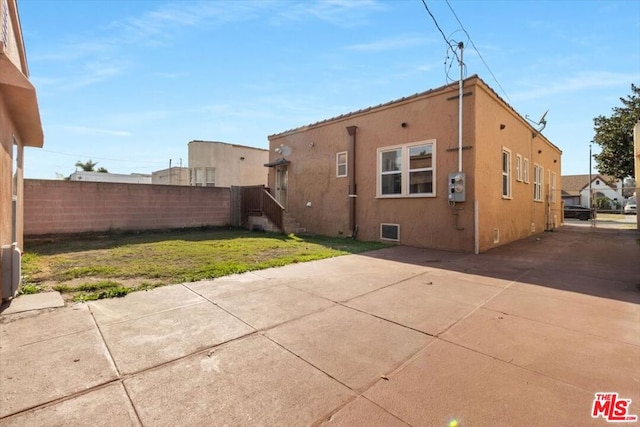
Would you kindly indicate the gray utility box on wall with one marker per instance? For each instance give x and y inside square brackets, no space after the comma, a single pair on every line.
[457,187]
[11,270]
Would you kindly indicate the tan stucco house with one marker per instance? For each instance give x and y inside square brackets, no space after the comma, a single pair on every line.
[392,172]
[20,127]
[220,164]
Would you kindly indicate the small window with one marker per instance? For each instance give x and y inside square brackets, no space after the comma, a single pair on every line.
[518,167]
[506,173]
[525,170]
[390,232]
[421,169]
[553,187]
[341,164]
[538,173]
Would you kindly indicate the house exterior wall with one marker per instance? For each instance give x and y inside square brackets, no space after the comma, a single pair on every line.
[63,207]
[598,185]
[233,164]
[20,127]
[505,219]
[173,176]
[319,200]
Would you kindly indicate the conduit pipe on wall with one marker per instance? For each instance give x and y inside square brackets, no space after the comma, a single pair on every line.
[352,180]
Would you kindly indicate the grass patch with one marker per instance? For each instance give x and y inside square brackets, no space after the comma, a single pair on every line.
[117,264]
[29,288]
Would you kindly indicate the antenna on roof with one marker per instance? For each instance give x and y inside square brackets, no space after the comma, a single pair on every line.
[541,123]
[283,149]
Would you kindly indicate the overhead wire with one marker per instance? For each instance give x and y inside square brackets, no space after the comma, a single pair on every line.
[476,49]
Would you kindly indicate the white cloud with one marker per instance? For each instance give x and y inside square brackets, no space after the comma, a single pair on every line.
[82,130]
[581,81]
[389,44]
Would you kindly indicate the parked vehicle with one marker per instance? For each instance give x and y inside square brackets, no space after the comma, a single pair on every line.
[631,207]
[579,212]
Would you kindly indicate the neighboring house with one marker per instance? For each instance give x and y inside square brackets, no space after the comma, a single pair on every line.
[171,176]
[218,164]
[134,178]
[20,127]
[384,173]
[575,189]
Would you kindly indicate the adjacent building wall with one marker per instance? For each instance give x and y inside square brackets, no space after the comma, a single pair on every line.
[228,164]
[134,178]
[60,207]
[171,176]
[20,127]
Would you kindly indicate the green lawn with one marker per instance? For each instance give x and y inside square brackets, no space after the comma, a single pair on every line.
[114,265]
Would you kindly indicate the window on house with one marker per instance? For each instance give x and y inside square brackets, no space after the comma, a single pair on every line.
[400,178]
[341,164]
[390,232]
[537,183]
[525,170]
[506,173]
[203,177]
[553,187]
[518,167]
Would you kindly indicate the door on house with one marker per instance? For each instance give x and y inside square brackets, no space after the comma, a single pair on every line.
[281,185]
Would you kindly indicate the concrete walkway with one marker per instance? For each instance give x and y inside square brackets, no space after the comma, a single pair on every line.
[522,336]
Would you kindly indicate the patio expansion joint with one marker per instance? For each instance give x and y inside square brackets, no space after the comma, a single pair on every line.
[510,362]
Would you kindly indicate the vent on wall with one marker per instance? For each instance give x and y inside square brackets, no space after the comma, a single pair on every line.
[496,235]
[390,232]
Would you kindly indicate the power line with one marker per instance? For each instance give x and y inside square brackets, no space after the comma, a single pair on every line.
[475,48]
[440,29]
[100,158]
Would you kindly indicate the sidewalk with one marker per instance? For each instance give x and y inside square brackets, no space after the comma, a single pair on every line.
[524,335]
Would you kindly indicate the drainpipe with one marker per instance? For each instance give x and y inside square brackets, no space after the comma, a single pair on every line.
[352,180]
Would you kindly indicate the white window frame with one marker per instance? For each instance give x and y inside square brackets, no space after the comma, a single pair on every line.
[518,168]
[344,164]
[405,170]
[553,187]
[525,170]
[506,173]
[538,177]
[393,225]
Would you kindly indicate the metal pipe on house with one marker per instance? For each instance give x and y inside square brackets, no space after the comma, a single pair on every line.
[353,193]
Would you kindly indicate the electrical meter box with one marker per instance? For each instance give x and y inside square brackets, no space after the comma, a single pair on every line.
[457,186]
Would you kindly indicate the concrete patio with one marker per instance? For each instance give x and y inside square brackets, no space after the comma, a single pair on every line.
[524,335]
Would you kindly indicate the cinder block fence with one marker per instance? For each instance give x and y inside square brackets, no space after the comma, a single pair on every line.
[66,207]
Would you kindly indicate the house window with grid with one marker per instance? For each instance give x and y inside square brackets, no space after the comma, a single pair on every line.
[525,170]
[506,173]
[341,164]
[203,177]
[537,182]
[407,170]
[518,167]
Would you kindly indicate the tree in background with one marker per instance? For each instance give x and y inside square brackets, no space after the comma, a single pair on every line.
[90,166]
[614,135]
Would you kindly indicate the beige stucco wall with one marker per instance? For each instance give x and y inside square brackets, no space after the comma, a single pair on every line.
[234,164]
[424,221]
[513,218]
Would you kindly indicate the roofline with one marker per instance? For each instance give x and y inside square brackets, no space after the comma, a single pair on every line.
[454,85]
[228,143]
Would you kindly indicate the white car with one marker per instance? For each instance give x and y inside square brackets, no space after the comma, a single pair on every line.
[631,207]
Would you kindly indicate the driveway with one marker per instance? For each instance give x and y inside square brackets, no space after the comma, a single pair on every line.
[524,335]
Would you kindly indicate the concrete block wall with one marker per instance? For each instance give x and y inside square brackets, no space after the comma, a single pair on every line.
[62,207]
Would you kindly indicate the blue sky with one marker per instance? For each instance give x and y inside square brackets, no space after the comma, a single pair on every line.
[129,83]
